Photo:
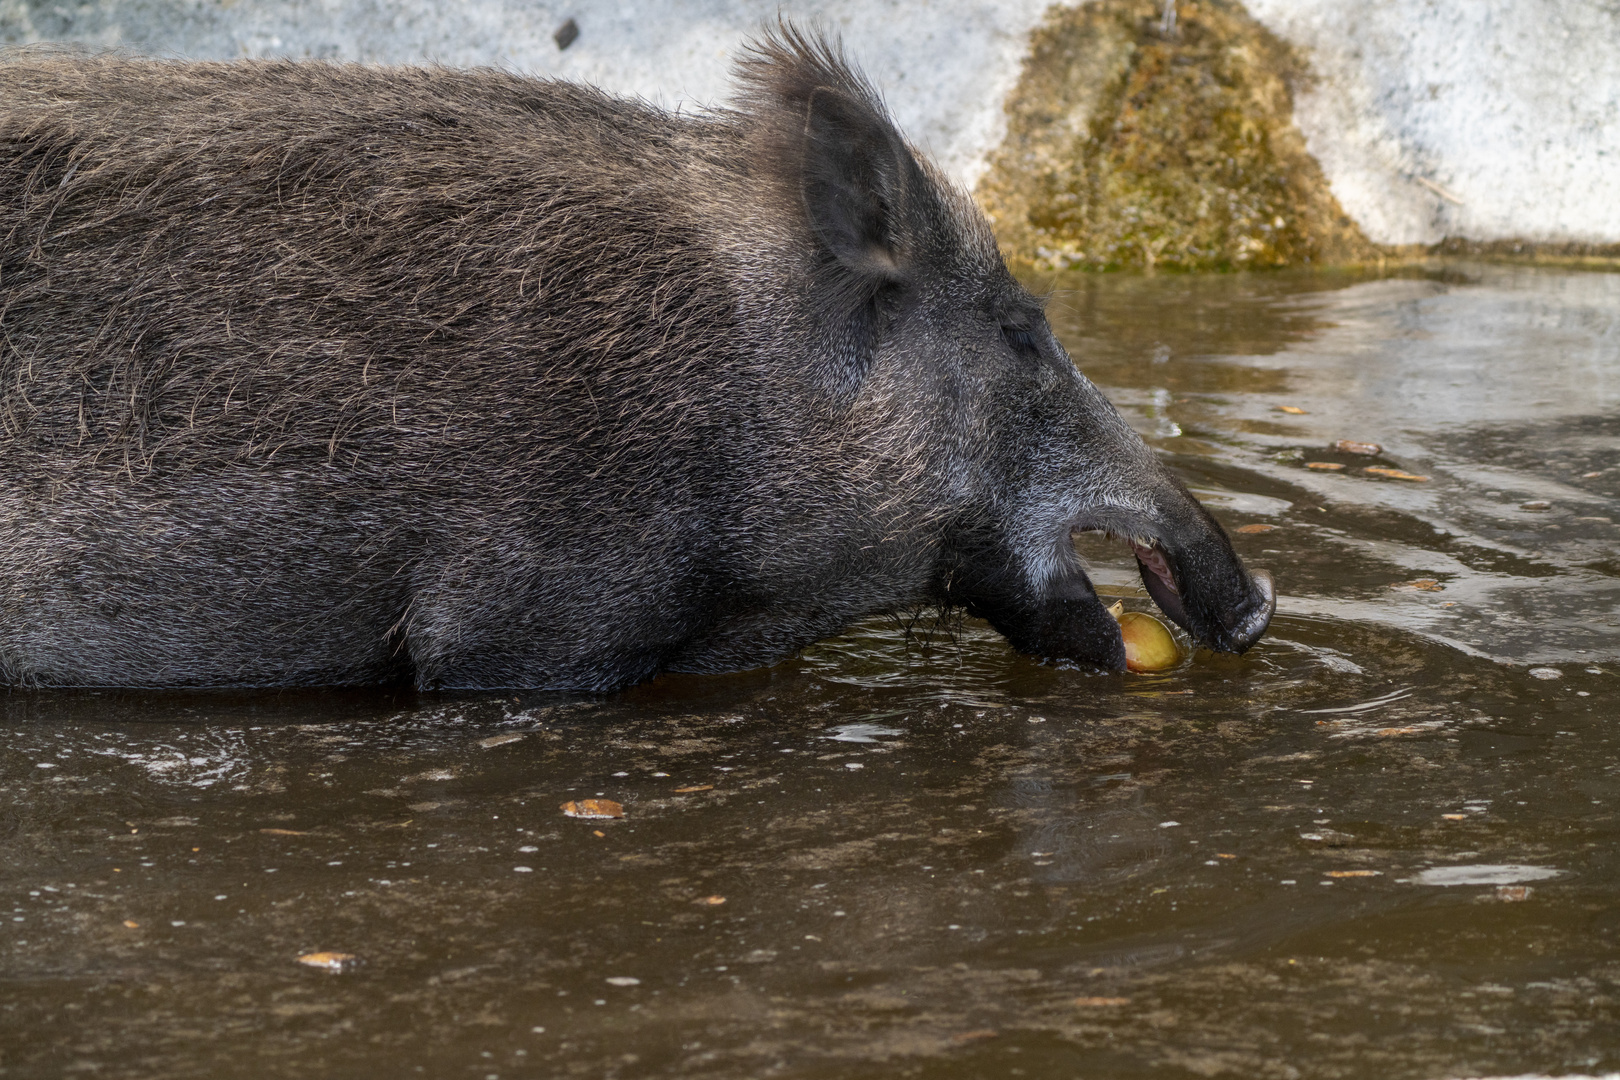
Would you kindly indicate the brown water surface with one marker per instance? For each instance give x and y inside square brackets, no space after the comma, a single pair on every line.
[1383,844]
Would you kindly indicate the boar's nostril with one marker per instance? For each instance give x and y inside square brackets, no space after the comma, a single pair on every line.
[1249,631]
[1268,589]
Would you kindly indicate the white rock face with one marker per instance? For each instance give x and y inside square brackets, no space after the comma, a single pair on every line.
[1484,119]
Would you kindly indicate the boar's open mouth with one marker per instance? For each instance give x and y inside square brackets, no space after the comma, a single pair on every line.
[1159,579]
[1234,627]
[1191,572]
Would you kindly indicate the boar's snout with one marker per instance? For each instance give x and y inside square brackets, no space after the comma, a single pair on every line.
[1248,631]
[1208,591]
[1086,468]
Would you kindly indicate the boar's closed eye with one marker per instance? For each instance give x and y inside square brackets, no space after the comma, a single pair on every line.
[1021,340]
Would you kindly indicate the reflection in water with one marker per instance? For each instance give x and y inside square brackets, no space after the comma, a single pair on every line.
[1484,875]
[1095,847]
[1380,844]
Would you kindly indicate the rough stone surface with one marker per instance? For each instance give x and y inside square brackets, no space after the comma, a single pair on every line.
[1136,139]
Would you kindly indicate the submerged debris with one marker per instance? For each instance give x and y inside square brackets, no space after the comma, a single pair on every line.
[1394,474]
[592,809]
[330,961]
[1421,584]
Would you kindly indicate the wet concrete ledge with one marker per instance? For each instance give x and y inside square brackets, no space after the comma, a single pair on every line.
[1190,134]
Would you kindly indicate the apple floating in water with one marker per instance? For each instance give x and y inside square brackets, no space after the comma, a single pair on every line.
[1149,645]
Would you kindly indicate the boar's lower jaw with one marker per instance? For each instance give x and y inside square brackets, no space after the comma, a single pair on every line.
[1062,620]
[1073,627]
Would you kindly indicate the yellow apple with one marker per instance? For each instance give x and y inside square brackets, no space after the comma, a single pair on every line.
[1149,645]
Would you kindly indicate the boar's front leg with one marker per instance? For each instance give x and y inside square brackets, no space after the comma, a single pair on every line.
[1047,609]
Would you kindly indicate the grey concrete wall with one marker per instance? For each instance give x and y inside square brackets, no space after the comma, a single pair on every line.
[1486,119]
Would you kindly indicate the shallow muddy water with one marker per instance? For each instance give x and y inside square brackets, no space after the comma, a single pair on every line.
[1383,844]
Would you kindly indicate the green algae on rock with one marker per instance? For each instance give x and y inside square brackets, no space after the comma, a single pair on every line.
[1135,141]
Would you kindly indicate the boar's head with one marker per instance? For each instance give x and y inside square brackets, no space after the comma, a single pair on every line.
[921,329]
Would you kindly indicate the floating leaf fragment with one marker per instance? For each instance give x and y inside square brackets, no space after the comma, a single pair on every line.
[132,924]
[1350,446]
[283,832]
[1392,732]
[1536,506]
[592,808]
[1324,466]
[1393,474]
[694,787]
[1291,410]
[1354,873]
[330,961]
[1256,528]
[500,740]
[1455,817]
[712,901]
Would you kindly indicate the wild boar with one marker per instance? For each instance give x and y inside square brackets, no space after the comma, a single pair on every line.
[320,374]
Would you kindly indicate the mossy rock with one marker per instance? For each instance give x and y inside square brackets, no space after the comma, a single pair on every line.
[1138,142]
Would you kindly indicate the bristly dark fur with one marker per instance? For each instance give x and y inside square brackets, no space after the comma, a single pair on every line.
[319,374]
[782,67]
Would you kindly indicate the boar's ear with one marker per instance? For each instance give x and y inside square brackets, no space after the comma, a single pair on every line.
[856,177]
